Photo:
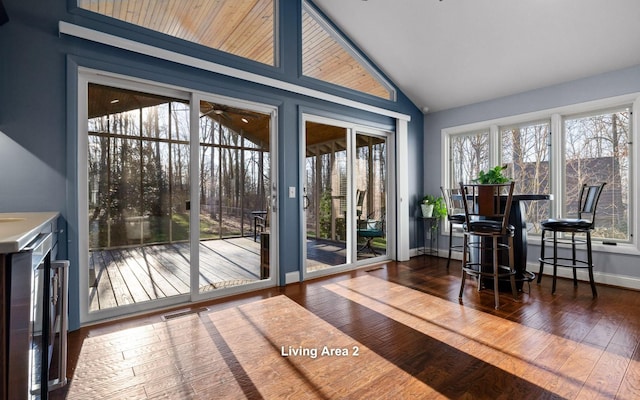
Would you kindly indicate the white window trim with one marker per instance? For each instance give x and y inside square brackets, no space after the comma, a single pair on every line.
[556,116]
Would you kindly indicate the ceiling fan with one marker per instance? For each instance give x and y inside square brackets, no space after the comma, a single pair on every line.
[226,112]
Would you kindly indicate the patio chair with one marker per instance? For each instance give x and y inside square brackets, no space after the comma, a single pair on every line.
[259,222]
[360,196]
[370,230]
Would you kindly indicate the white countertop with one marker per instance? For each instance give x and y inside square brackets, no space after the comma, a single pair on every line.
[19,229]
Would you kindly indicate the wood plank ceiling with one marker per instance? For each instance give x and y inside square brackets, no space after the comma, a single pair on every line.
[241,27]
[326,59]
[246,28]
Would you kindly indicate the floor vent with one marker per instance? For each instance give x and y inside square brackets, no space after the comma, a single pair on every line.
[179,314]
[372,269]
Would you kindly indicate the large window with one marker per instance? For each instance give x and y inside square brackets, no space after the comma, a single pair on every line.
[524,149]
[597,149]
[555,153]
[469,155]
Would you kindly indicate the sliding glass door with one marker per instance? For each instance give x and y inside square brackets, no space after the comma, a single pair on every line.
[234,196]
[138,191]
[178,204]
[325,196]
[345,195]
[370,180]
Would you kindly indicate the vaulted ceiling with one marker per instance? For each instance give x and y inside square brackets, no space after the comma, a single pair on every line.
[449,53]
[441,53]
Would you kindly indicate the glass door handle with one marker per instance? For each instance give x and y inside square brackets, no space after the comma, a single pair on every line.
[274,197]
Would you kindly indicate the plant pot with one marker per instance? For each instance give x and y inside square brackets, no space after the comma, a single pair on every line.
[427,210]
[486,200]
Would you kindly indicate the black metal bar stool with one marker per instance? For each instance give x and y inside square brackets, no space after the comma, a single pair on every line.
[583,224]
[487,232]
[455,215]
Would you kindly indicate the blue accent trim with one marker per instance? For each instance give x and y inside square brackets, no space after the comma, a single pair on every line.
[72,250]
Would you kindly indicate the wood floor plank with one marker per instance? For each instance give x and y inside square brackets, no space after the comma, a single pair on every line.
[630,386]
[576,370]
[415,340]
[607,375]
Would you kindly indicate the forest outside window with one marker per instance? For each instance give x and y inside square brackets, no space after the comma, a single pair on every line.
[138,167]
[597,149]
[524,149]
[587,147]
[469,155]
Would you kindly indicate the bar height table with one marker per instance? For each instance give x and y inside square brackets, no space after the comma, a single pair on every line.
[517,218]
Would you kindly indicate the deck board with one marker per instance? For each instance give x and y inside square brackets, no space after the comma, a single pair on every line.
[138,285]
[136,274]
[233,261]
[117,287]
[172,262]
[157,284]
[130,275]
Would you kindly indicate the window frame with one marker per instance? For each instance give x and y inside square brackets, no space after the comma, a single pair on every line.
[557,117]
[450,162]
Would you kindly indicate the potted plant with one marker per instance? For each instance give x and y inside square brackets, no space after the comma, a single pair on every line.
[492,176]
[433,207]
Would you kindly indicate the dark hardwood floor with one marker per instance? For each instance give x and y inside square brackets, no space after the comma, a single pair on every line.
[394,330]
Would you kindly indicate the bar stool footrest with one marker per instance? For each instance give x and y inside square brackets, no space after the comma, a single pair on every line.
[527,276]
[473,270]
[578,263]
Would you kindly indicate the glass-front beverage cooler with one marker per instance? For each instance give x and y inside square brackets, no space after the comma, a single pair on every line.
[53,349]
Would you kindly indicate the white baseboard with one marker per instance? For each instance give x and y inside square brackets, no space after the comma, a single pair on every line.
[623,281]
[627,282]
[292,277]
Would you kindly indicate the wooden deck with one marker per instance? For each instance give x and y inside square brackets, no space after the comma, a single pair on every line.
[132,275]
[322,253]
[137,274]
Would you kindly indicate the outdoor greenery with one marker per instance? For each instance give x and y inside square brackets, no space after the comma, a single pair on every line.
[325,213]
[139,173]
